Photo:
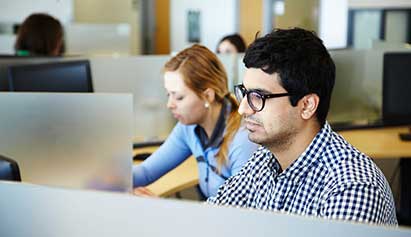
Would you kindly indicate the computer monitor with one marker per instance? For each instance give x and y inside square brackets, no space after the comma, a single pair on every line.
[71,76]
[10,60]
[396,105]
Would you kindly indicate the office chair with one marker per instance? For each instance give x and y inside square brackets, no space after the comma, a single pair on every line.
[9,170]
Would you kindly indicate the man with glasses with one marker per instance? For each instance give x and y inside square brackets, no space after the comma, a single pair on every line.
[302,166]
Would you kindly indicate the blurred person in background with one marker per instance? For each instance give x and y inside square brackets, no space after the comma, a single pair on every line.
[40,35]
[231,44]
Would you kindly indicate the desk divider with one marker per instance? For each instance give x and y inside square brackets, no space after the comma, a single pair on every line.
[68,139]
[29,210]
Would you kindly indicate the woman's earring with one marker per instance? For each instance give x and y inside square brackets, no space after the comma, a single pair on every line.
[206,105]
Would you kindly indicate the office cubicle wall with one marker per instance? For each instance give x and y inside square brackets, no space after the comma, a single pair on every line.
[142,76]
[230,65]
[97,39]
[72,139]
[139,75]
[29,210]
[390,45]
[357,94]
[357,90]
[240,69]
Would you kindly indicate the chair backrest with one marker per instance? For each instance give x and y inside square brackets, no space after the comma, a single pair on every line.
[9,169]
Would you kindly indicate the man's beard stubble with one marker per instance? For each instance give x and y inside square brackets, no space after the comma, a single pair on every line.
[280,141]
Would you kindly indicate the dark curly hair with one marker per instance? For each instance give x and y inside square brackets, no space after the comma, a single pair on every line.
[302,62]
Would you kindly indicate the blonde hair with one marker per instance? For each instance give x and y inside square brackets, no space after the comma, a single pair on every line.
[201,69]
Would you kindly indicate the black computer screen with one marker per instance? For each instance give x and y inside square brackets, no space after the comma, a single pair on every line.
[71,76]
[396,105]
[11,60]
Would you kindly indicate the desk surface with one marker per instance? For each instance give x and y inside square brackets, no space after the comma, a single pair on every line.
[377,143]
[183,176]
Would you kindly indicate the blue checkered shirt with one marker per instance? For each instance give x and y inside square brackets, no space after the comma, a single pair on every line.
[330,179]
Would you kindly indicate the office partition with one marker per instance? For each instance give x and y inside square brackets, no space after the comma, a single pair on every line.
[357,94]
[229,62]
[72,140]
[97,39]
[357,91]
[29,210]
[142,77]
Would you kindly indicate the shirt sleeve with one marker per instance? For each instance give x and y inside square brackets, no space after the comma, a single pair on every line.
[169,155]
[241,150]
[360,202]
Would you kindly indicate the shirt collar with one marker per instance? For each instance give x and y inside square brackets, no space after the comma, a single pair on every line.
[218,132]
[298,169]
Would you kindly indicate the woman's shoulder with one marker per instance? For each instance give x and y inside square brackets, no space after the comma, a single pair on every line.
[241,138]
[183,132]
[183,128]
[242,133]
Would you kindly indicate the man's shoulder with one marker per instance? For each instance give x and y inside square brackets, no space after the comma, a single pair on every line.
[348,165]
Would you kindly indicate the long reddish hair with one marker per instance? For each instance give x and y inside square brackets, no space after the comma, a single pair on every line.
[201,69]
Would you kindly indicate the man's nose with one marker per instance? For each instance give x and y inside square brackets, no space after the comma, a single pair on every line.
[244,108]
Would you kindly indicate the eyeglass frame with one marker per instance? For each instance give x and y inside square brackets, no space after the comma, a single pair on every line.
[246,94]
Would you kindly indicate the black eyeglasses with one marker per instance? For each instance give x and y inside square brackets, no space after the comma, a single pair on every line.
[255,98]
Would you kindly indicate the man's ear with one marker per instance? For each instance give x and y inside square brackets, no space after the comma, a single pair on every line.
[309,104]
[209,95]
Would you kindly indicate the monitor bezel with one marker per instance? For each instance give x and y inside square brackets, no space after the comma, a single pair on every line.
[11,70]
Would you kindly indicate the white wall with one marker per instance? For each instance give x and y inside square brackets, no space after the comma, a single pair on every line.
[333,20]
[217,19]
[17,10]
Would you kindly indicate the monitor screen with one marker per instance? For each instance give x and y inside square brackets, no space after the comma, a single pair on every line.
[72,76]
[396,105]
[9,60]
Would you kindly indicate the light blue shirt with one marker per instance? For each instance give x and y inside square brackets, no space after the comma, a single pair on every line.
[181,144]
